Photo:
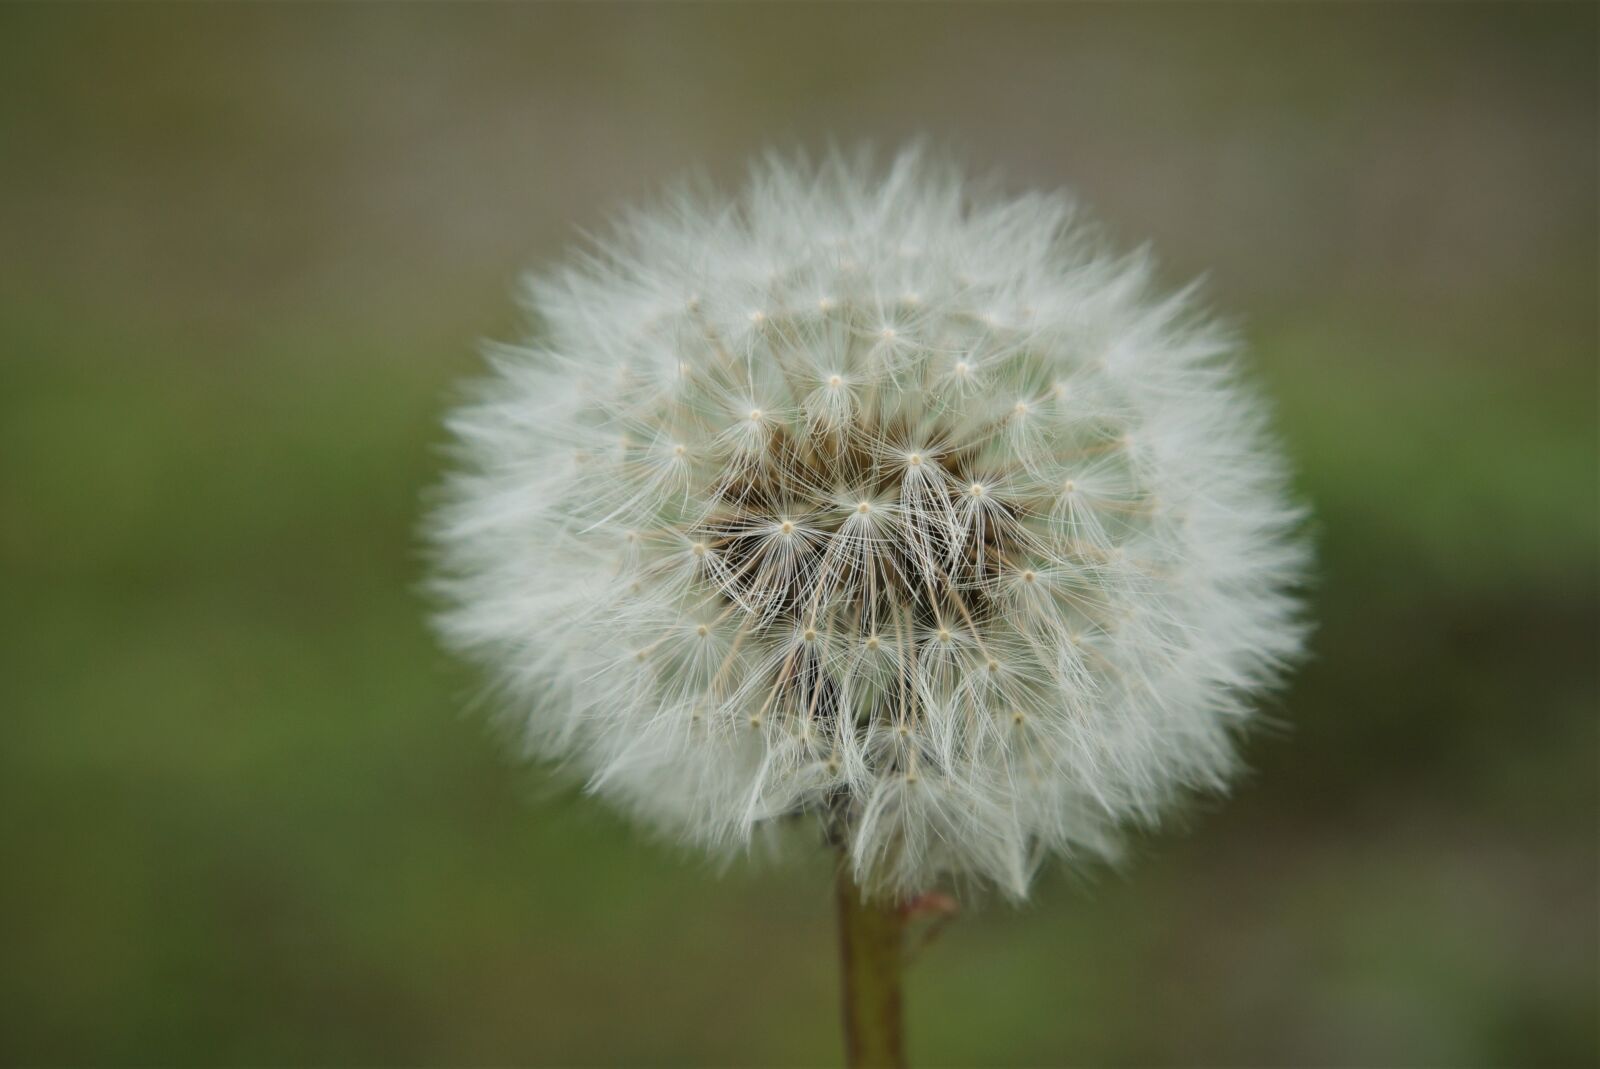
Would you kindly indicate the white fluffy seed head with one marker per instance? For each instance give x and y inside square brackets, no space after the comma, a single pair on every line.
[747,534]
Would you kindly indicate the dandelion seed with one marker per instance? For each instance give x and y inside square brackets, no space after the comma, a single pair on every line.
[1048,507]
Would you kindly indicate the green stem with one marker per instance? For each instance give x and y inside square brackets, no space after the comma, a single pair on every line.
[872,954]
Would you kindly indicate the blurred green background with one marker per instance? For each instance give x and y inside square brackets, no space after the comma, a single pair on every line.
[245,251]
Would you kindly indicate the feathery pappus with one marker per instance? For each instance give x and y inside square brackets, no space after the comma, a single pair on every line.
[870,497]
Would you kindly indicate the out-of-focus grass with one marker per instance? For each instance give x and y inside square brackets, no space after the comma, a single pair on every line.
[242,822]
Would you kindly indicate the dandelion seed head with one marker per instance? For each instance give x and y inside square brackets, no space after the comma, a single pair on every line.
[988,551]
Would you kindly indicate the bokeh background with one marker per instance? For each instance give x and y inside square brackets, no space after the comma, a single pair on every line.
[245,252]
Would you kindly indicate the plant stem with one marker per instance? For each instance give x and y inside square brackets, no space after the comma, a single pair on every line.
[872,954]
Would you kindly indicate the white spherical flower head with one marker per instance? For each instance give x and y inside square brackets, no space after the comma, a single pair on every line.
[868,499]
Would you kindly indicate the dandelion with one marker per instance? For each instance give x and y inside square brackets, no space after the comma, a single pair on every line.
[873,500]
